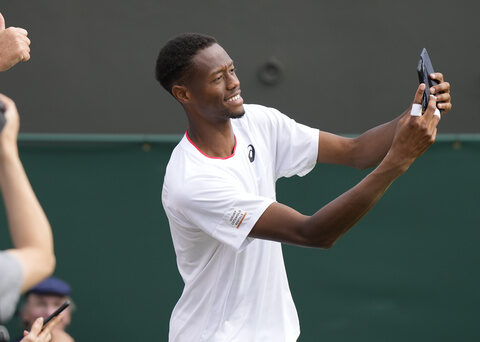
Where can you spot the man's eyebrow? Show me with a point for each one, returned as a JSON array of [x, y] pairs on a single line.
[[221, 69]]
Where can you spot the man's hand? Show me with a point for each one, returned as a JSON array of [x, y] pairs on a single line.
[[14, 45], [36, 334], [59, 335], [414, 134], [441, 92], [9, 133]]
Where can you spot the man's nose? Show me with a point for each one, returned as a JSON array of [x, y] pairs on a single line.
[[233, 81]]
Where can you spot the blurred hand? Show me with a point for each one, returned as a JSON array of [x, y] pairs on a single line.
[[36, 334], [59, 335], [14, 45], [9, 133]]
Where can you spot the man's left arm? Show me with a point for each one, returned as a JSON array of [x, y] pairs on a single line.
[[370, 148]]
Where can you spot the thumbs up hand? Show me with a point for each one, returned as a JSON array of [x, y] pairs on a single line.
[[14, 45]]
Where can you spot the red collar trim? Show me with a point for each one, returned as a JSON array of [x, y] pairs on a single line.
[[199, 150]]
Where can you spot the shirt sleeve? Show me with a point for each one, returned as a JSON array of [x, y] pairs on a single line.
[[296, 146], [10, 285], [220, 209]]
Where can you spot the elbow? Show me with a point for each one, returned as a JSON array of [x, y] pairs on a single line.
[[359, 158], [325, 244], [362, 164], [36, 264], [314, 239], [51, 263], [320, 244]]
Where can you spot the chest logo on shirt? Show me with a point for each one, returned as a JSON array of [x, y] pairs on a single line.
[[251, 153]]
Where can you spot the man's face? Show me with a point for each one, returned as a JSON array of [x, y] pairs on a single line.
[[214, 87], [37, 305]]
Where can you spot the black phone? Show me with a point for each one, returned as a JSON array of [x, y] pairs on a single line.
[[2, 115], [424, 69], [56, 313]]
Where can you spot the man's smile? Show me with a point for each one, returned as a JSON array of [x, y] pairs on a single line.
[[235, 99]]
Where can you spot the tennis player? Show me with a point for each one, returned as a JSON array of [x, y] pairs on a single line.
[[219, 193]]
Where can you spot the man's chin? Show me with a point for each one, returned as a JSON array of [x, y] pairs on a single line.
[[236, 115]]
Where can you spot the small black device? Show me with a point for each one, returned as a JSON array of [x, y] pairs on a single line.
[[2, 115], [424, 69], [56, 313]]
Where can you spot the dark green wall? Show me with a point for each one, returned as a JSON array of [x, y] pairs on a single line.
[[407, 272]]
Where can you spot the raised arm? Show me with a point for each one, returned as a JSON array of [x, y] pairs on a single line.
[[369, 149], [29, 228], [412, 137]]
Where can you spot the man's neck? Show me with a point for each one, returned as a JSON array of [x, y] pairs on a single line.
[[214, 141]]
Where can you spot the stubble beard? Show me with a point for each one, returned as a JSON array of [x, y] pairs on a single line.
[[234, 116]]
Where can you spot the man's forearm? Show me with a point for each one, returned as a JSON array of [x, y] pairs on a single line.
[[334, 219], [372, 146], [284, 224]]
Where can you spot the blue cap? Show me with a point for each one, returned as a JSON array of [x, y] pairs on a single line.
[[51, 285]]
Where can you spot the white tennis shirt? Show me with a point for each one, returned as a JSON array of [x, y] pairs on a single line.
[[236, 287]]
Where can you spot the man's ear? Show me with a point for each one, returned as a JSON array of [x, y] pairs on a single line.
[[181, 93]]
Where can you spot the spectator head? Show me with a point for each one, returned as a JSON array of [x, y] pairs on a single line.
[[43, 299]]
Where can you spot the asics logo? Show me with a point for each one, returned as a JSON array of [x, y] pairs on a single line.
[[251, 153]]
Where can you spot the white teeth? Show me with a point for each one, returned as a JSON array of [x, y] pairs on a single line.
[[235, 98]]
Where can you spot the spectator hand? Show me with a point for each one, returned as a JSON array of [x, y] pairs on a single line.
[[59, 335], [9, 133], [14, 45], [36, 334]]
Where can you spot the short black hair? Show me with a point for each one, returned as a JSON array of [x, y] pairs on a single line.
[[175, 58]]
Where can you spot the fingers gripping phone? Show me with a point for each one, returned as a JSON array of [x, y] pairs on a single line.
[[56, 313], [424, 69]]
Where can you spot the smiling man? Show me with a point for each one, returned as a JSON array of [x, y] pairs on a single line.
[[219, 193]]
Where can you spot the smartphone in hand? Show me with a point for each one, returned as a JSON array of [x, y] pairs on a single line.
[[56, 313], [424, 69]]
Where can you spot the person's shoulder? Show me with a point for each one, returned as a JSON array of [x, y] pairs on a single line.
[[259, 114], [263, 116], [188, 172], [178, 153], [186, 160], [259, 109]]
